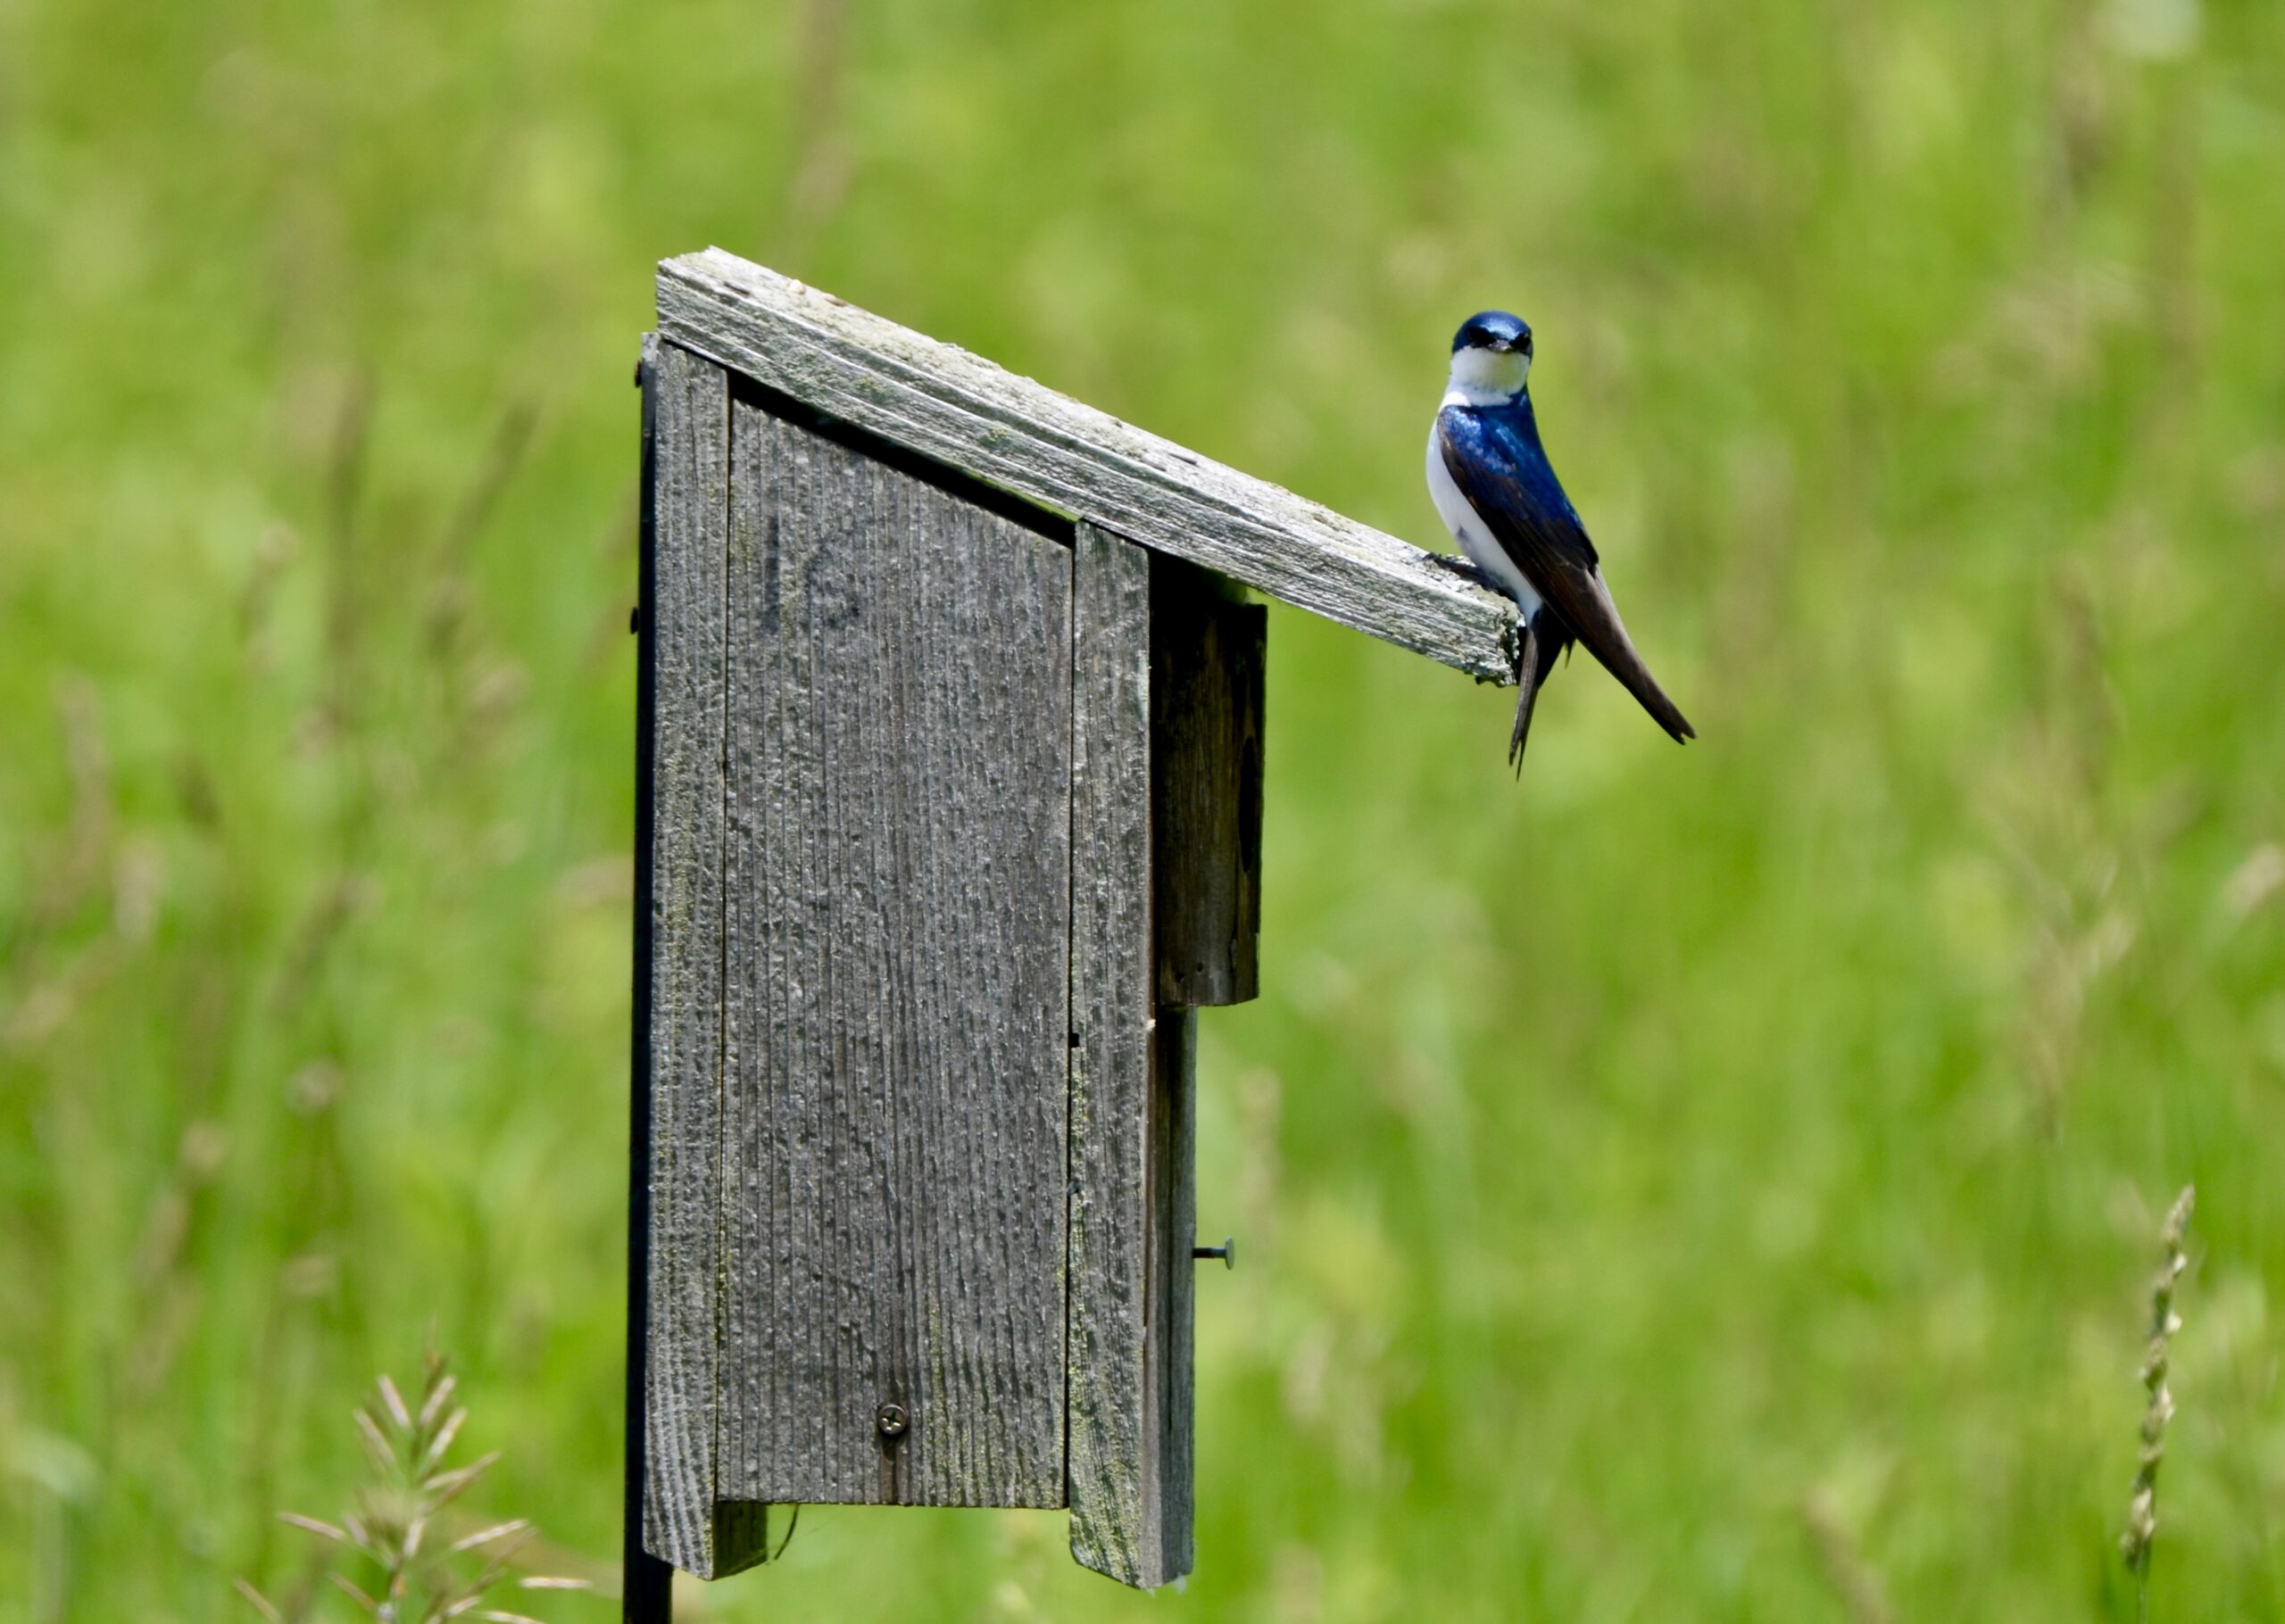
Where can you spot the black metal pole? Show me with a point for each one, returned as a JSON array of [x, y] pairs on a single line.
[[647, 1583]]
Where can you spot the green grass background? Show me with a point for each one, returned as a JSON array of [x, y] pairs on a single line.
[[1707, 1184]]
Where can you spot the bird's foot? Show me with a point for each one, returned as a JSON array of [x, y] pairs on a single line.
[[1467, 569]]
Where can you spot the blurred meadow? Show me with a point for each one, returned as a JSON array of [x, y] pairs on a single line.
[[1705, 1184]]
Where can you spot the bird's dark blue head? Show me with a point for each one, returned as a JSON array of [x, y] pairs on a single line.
[[1494, 330], [1491, 357]]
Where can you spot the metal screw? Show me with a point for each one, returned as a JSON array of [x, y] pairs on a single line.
[[892, 1420], [1227, 1252]]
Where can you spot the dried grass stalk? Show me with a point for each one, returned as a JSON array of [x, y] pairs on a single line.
[[386, 1528], [2142, 1505]]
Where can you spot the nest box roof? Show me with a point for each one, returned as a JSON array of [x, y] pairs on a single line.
[[940, 401]]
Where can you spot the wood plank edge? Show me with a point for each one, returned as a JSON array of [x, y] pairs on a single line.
[[1480, 637]]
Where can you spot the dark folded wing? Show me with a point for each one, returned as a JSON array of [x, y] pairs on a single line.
[[1513, 491]]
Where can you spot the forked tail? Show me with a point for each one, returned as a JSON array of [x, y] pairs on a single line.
[[1544, 639]]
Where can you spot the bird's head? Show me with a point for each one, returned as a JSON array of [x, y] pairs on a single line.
[[1492, 356]]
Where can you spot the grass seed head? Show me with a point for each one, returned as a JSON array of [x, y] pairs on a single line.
[[2142, 1504]]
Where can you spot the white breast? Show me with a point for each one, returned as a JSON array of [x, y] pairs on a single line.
[[1474, 535]]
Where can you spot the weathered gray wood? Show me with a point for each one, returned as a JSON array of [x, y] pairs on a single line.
[[1115, 1478], [899, 885], [741, 1534], [939, 400], [1206, 723], [691, 405], [1130, 1109]]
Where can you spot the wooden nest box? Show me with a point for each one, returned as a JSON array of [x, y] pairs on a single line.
[[951, 775]]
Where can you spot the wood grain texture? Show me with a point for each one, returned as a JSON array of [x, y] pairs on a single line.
[[1206, 667], [899, 886], [1131, 1225], [741, 1536], [946, 403], [1114, 1470], [690, 511], [646, 1583]]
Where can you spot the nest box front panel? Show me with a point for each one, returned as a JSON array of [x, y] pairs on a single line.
[[861, 774], [896, 1058]]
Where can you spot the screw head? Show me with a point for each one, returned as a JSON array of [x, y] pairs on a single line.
[[891, 1420]]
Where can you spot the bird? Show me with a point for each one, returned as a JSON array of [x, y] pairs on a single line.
[[1493, 487]]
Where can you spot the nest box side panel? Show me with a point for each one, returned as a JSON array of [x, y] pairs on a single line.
[[1131, 1108], [690, 504], [1207, 666], [896, 950]]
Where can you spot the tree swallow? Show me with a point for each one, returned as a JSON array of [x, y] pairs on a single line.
[[1497, 494]]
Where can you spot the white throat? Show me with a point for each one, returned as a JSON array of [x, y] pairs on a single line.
[[1485, 378]]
